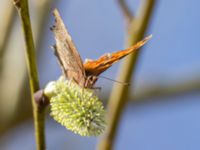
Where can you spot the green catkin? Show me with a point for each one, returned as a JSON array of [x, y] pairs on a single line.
[[79, 110]]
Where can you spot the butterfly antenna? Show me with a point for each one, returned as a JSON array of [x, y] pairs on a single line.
[[124, 83]]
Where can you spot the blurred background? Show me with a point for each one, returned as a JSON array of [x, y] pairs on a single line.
[[163, 111]]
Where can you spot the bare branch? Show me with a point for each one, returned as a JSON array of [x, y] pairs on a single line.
[[38, 112], [126, 11], [156, 90]]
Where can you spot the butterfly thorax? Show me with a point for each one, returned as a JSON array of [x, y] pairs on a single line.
[[87, 82]]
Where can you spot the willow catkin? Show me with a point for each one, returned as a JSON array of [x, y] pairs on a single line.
[[78, 109]]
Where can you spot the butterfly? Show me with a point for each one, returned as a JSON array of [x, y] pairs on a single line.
[[84, 74]]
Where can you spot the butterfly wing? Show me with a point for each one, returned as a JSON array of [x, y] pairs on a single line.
[[67, 53], [96, 67]]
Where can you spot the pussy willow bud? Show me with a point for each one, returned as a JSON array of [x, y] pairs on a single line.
[[78, 109]]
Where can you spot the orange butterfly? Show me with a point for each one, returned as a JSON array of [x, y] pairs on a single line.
[[84, 74]]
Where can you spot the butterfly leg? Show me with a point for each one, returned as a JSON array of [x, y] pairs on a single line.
[[86, 83], [90, 82]]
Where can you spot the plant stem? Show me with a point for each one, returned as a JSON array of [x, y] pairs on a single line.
[[119, 94], [38, 112]]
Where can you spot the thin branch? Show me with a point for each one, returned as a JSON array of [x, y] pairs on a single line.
[[38, 112], [22, 105], [44, 9], [119, 94], [126, 11], [155, 91]]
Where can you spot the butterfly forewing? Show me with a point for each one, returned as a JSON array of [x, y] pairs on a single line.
[[67, 53], [96, 67]]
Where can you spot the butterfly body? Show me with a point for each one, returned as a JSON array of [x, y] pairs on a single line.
[[84, 74]]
